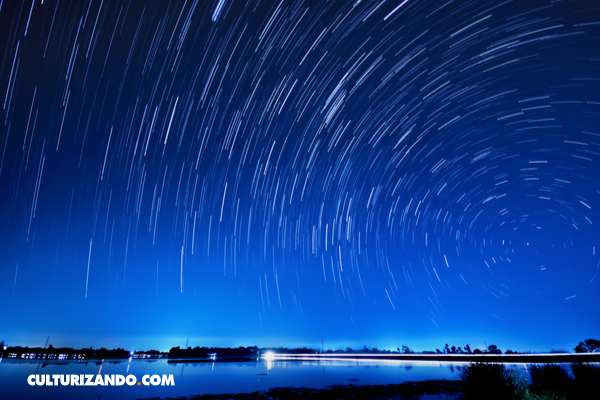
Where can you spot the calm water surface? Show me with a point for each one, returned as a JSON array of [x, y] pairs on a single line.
[[212, 378]]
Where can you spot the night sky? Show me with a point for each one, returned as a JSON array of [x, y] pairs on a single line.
[[379, 173]]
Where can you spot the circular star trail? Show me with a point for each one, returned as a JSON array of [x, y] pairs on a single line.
[[301, 168]]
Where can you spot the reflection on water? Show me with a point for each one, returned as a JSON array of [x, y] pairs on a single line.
[[212, 377]]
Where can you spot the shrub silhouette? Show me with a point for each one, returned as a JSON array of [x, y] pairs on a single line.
[[587, 377], [488, 381], [550, 379]]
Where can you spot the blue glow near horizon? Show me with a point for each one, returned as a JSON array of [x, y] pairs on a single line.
[[369, 174]]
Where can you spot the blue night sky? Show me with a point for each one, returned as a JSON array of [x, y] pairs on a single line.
[[271, 173]]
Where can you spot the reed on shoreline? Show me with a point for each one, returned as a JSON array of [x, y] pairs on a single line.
[[492, 381]]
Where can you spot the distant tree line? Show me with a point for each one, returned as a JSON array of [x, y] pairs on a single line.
[[491, 349], [285, 350], [226, 352], [205, 352], [62, 352]]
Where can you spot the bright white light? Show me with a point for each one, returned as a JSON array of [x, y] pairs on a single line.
[[218, 10], [269, 356]]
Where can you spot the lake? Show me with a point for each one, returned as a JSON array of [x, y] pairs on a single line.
[[192, 378]]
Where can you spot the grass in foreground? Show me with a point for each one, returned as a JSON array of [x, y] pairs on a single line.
[[548, 382], [490, 381]]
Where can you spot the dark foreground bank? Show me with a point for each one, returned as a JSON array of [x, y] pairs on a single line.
[[491, 381], [406, 390]]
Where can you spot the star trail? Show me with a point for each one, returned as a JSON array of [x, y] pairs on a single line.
[[276, 172]]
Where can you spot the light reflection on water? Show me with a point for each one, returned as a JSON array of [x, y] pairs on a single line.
[[192, 378]]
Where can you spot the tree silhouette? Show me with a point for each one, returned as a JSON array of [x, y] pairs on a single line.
[[588, 346], [492, 348], [468, 349]]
